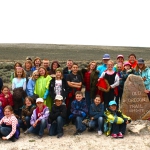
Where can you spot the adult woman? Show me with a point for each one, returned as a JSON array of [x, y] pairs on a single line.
[[144, 72]]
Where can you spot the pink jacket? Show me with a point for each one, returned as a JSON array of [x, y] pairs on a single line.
[[6, 101]]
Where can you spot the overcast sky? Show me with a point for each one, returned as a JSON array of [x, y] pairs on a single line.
[[83, 22]]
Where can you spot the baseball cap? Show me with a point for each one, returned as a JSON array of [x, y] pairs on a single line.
[[120, 56], [58, 97], [140, 61], [39, 100], [106, 56], [112, 103]]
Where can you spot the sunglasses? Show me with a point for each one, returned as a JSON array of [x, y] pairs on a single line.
[[36, 75]]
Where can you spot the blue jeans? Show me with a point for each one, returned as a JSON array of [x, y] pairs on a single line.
[[88, 100], [4, 131], [116, 128], [96, 123], [79, 125], [39, 129], [22, 125], [57, 126]]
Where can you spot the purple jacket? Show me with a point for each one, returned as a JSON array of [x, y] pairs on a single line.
[[44, 116]]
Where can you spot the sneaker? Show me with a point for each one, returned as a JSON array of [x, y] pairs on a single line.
[[114, 135], [13, 139], [40, 136], [100, 132], [120, 135], [78, 132], [59, 135], [26, 132]]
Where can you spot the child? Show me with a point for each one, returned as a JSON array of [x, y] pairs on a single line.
[[41, 87], [115, 121], [58, 85], [55, 64], [19, 87], [57, 117], [96, 114], [8, 125], [6, 97], [74, 81], [27, 68], [46, 64], [31, 83], [37, 63], [39, 119], [79, 112], [27, 111]]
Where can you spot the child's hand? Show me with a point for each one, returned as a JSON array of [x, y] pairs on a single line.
[[6, 96], [83, 114], [92, 118], [4, 138]]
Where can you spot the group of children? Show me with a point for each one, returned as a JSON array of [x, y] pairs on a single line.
[[52, 97]]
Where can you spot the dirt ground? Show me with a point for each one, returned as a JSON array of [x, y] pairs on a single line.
[[88, 140]]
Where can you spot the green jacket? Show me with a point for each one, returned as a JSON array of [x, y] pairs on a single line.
[[111, 117]]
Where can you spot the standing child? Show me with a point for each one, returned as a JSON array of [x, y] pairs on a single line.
[[79, 112], [58, 85], [27, 111], [6, 97], [37, 63], [96, 115], [74, 81], [115, 121], [8, 125], [19, 87], [57, 117], [27, 68], [39, 119]]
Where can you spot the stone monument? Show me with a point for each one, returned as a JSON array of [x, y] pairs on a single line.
[[135, 102]]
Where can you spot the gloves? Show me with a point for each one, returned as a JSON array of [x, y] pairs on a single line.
[[130, 70], [71, 116], [83, 114], [46, 94]]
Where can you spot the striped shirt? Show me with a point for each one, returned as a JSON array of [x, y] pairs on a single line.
[[10, 121]]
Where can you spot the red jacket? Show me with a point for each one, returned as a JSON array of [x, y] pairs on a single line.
[[6, 101]]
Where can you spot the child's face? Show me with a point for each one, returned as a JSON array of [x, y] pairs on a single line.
[[92, 66], [40, 104], [74, 68], [7, 112], [46, 63], [119, 67], [27, 65], [42, 72], [58, 74], [58, 102], [55, 66], [127, 67], [140, 66], [79, 97], [5, 91], [28, 102], [36, 75], [97, 100], [110, 66], [19, 73], [132, 59], [113, 107], [37, 62]]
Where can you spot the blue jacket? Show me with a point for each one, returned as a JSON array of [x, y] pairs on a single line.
[[77, 107], [101, 69], [96, 111], [30, 87], [145, 73]]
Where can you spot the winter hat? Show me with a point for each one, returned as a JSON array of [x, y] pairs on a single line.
[[59, 69], [112, 103], [127, 63]]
